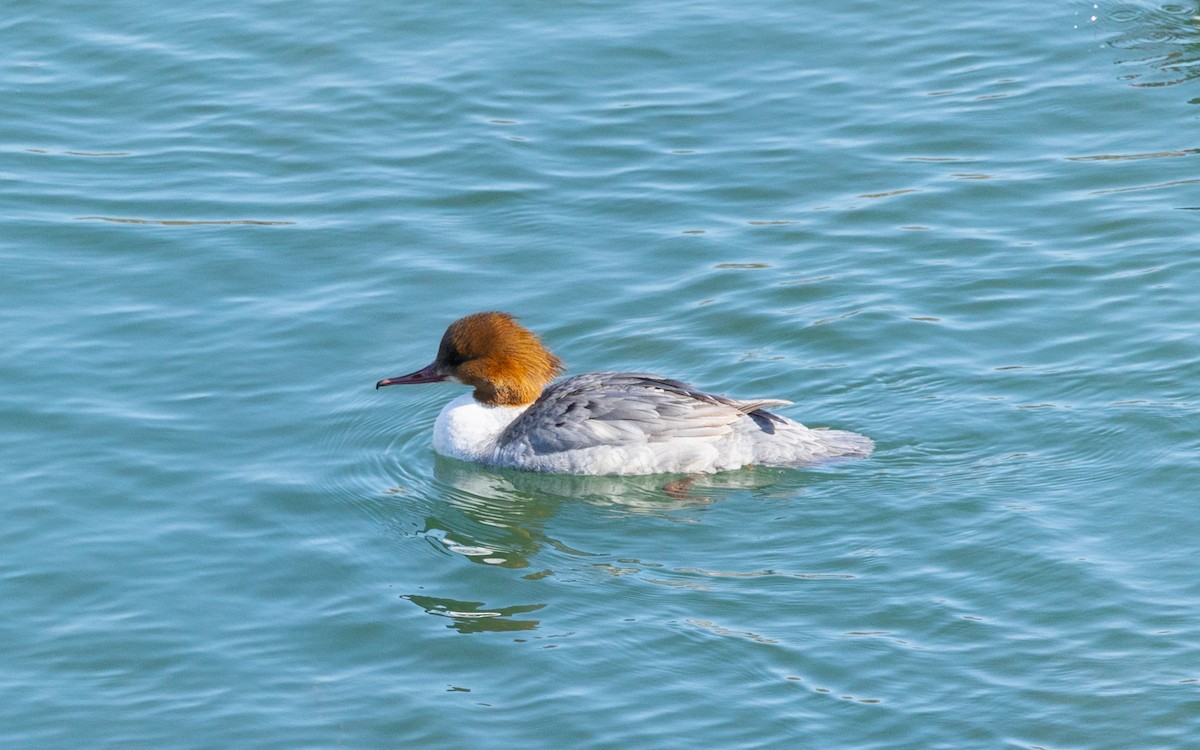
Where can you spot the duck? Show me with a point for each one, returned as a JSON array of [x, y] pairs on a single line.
[[518, 415]]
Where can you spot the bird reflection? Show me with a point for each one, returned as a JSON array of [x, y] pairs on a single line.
[[499, 518], [476, 617]]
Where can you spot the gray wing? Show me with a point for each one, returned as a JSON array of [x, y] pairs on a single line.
[[627, 408]]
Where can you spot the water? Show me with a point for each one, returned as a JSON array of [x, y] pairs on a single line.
[[966, 230]]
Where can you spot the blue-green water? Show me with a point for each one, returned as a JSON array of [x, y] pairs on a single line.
[[967, 230]]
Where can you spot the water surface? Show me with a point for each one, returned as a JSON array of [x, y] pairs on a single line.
[[967, 231]]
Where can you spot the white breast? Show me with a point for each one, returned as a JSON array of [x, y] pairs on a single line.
[[468, 430]]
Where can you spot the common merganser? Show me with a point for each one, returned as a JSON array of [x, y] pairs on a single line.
[[601, 422]]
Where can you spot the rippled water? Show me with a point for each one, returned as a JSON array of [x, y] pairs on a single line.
[[967, 231]]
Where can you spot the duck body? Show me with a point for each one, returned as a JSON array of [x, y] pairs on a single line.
[[607, 422]]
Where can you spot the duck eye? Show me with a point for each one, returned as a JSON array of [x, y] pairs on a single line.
[[450, 355]]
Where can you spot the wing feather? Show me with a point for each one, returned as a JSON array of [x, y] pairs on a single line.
[[614, 408]]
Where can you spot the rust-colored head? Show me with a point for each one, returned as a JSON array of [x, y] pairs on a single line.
[[505, 362]]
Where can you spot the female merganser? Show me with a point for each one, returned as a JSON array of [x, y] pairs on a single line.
[[600, 422]]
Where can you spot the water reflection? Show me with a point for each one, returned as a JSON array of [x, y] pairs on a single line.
[[476, 617], [501, 518], [1163, 39]]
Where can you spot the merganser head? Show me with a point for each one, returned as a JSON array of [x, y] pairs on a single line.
[[505, 362]]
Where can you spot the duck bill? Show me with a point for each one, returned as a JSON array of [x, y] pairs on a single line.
[[428, 374]]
